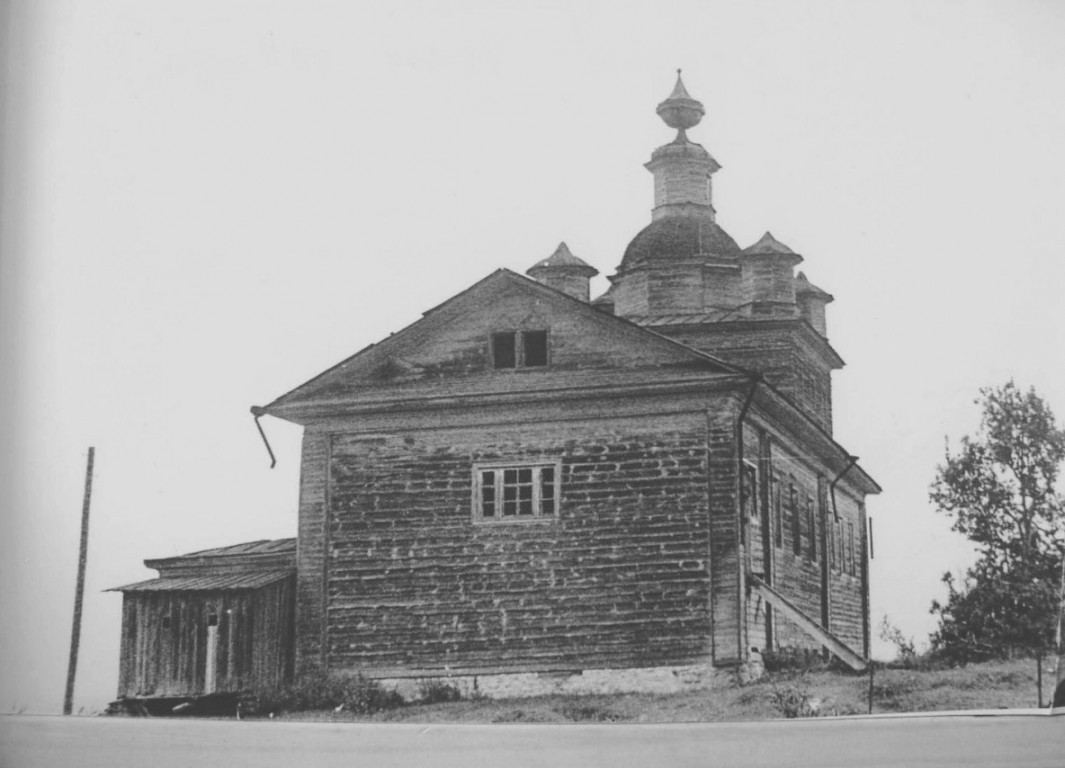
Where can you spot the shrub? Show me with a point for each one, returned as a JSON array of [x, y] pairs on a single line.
[[322, 690], [435, 691], [793, 701]]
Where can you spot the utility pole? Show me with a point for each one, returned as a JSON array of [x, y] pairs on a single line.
[[75, 634]]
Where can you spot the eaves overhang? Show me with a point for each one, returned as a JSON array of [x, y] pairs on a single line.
[[779, 407], [307, 411]]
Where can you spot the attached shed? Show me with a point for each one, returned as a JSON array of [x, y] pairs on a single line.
[[216, 621]]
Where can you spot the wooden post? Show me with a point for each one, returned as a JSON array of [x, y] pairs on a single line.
[[75, 633], [872, 672]]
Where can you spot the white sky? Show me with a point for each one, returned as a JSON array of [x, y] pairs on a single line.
[[207, 202]]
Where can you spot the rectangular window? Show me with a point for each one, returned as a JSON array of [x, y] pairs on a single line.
[[504, 350], [796, 519], [853, 566], [778, 515], [534, 348], [749, 490], [527, 349], [513, 493], [838, 546], [811, 524]]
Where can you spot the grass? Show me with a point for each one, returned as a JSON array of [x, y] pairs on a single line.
[[815, 692]]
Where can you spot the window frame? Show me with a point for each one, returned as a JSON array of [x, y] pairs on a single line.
[[749, 491], [811, 522], [796, 518], [518, 337], [538, 517], [776, 492]]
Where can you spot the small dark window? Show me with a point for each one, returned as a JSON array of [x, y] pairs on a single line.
[[811, 523], [853, 569], [212, 620], [778, 516], [534, 345], [166, 622], [504, 351], [749, 490], [796, 520]]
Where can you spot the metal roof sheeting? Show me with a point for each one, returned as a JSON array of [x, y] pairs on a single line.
[[208, 582]]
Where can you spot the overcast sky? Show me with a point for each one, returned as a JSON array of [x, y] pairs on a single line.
[[207, 202]]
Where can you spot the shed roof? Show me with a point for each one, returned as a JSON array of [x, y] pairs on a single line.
[[208, 582]]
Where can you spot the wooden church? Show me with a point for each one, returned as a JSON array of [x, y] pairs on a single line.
[[528, 490]]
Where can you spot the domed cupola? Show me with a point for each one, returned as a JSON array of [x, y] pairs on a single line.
[[682, 260]]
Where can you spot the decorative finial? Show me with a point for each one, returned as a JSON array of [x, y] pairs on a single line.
[[680, 110]]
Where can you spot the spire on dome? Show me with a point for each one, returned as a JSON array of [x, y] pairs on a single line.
[[679, 91]]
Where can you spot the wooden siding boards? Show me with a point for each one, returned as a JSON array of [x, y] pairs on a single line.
[[646, 561], [310, 551], [618, 579]]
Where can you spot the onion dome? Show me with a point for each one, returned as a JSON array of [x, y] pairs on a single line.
[[674, 239]]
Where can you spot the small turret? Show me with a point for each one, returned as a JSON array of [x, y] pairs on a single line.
[[768, 277], [812, 301], [564, 272]]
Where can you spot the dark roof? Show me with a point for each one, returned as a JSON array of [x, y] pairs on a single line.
[[679, 237], [688, 318], [563, 258], [261, 555], [260, 547], [209, 582], [767, 244], [804, 286]]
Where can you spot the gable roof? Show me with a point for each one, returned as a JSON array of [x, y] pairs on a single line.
[[387, 354]]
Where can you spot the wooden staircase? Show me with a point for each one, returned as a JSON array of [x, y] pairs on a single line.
[[791, 612]]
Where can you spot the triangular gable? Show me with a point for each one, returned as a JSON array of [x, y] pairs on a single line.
[[452, 342]]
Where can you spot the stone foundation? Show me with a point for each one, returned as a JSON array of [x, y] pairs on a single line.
[[589, 681]]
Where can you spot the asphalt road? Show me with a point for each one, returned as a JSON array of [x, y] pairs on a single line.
[[33, 742]]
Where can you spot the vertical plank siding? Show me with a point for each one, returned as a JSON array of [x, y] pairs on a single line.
[[255, 640]]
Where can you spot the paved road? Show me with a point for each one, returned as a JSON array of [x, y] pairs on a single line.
[[44, 742]]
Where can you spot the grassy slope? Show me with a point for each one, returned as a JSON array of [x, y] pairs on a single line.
[[979, 686]]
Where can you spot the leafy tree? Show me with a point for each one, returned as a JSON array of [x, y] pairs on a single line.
[[999, 490]]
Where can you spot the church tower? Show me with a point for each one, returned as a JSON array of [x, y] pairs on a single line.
[[684, 276]]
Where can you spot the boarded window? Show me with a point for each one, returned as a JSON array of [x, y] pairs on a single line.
[[534, 347], [504, 350], [514, 493]]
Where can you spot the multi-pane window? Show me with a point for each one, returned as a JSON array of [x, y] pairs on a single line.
[[811, 525], [519, 492], [796, 519], [519, 349]]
